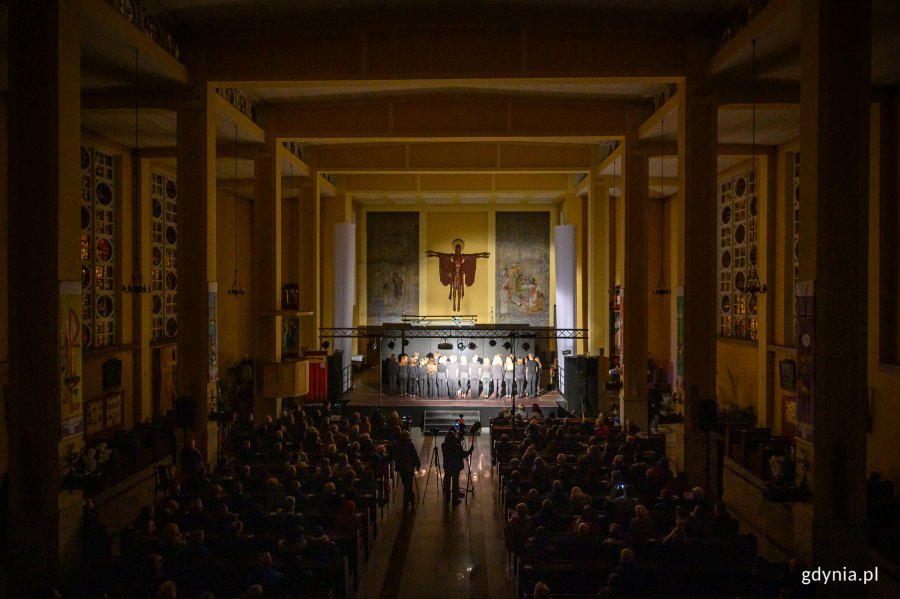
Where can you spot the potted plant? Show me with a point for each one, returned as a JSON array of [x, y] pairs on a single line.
[[783, 474]]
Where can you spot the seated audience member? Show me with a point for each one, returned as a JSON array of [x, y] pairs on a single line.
[[583, 546], [320, 546], [547, 517], [642, 527], [539, 548], [293, 542], [578, 500], [191, 461], [346, 522], [541, 591], [265, 575], [677, 534], [613, 589], [616, 535], [722, 524], [196, 546], [628, 570], [518, 529]]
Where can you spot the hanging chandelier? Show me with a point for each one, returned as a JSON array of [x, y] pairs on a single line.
[[753, 285], [236, 288], [661, 288], [136, 285]]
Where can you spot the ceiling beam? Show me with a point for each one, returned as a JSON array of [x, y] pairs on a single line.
[[443, 52], [469, 116], [429, 156], [123, 98]]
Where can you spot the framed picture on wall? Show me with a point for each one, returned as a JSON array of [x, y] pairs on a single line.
[[788, 371]]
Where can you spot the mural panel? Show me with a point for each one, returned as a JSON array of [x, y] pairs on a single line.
[[523, 268], [392, 268]]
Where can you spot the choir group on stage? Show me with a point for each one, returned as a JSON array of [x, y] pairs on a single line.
[[442, 376]]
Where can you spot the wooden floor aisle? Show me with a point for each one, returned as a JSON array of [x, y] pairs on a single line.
[[440, 551]]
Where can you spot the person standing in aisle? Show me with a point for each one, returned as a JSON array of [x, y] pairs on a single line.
[[406, 462]]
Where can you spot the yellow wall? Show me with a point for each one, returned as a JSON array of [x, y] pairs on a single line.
[[442, 228], [737, 373], [234, 311]]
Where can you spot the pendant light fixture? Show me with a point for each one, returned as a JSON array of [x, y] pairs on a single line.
[[236, 288], [753, 284], [661, 288], [136, 285], [290, 292]]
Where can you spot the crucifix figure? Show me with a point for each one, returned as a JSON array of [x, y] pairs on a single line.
[[454, 267]]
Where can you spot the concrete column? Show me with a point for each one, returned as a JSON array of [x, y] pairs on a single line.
[[834, 140], [307, 230], [601, 268], [267, 267], [635, 292], [196, 251], [44, 191], [697, 220]]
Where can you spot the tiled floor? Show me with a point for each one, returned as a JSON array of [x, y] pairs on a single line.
[[441, 551]]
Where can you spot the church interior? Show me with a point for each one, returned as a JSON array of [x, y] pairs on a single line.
[[248, 208]]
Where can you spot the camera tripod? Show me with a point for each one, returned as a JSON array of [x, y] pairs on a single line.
[[438, 477], [473, 442]]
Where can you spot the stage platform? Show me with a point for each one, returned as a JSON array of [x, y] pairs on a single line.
[[364, 398]]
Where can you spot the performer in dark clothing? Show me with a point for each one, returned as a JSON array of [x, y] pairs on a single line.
[[496, 375], [423, 377], [393, 373], [442, 377], [403, 375], [454, 457], [406, 462], [530, 376], [520, 377]]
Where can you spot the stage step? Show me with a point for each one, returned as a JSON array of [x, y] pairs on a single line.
[[442, 420]]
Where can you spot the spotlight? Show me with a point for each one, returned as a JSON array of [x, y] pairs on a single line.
[[492, 342], [391, 344], [472, 345], [507, 346], [405, 342], [445, 345], [567, 352], [525, 346], [325, 344], [460, 346]]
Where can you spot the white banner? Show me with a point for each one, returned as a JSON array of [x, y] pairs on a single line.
[[344, 289], [565, 291]]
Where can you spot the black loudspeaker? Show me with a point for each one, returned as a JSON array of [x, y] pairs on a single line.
[[335, 377], [581, 381], [445, 346], [707, 410], [185, 411]]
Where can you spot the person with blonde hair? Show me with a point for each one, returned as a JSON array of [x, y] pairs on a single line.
[[496, 374], [509, 368], [463, 377]]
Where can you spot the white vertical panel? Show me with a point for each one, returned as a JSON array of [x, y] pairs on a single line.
[[344, 287], [564, 236]]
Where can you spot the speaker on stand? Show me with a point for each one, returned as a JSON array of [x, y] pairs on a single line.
[[185, 414], [707, 410]]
